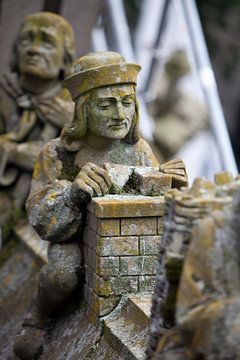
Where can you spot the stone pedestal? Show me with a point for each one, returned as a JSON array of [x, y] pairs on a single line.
[[121, 242]]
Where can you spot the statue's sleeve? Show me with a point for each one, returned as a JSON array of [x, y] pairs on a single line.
[[52, 209]]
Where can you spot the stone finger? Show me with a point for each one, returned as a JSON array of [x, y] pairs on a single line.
[[103, 173], [99, 180], [84, 187], [94, 185]]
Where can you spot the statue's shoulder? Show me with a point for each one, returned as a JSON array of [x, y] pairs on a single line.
[[142, 147], [52, 148]]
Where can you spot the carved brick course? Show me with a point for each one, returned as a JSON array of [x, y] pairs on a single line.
[[120, 251]]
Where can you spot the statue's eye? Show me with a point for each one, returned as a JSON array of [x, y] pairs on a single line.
[[127, 101], [25, 40], [104, 105], [47, 41]]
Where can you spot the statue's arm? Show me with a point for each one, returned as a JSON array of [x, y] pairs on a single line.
[[54, 210]]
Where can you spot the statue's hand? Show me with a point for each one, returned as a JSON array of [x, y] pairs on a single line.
[[176, 168], [55, 110], [93, 180]]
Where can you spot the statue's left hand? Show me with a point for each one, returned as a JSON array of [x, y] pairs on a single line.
[[55, 110], [176, 168]]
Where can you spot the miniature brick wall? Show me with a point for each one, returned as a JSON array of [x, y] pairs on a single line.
[[121, 242]]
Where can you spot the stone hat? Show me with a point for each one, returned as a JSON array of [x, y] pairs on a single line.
[[99, 69]]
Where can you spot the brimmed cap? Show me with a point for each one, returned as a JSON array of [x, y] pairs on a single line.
[[100, 69]]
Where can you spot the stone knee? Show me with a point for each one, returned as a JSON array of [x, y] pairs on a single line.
[[55, 287], [60, 278]]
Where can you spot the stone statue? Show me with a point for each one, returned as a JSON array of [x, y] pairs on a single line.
[[178, 117], [33, 104], [199, 308], [71, 169]]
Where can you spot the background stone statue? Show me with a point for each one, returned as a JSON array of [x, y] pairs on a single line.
[[71, 169], [33, 104], [178, 116]]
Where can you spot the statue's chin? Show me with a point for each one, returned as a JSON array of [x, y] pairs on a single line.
[[38, 72]]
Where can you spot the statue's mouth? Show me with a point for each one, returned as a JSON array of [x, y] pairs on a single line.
[[118, 125], [33, 59]]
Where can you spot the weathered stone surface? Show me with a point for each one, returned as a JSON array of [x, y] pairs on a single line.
[[127, 327], [118, 206], [146, 283], [223, 178], [18, 278], [104, 227], [154, 183], [139, 226], [90, 238], [138, 265], [160, 225], [117, 246], [197, 282], [107, 265], [149, 245]]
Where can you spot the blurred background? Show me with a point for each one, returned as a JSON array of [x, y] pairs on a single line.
[[189, 52]]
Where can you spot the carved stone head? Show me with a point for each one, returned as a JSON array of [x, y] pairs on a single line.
[[44, 47], [103, 86]]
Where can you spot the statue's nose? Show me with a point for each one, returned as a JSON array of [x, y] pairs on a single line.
[[35, 47], [119, 111]]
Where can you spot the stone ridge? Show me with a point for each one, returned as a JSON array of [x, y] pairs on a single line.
[[122, 206]]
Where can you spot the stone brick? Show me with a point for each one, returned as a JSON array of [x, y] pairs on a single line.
[[154, 183], [146, 283], [102, 286], [89, 258], [160, 225], [118, 206], [223, 178], [106, 305], [104, 227], [149, 244], [114, 285], [90, 237], [107, 265], [124, 284], [99, 306], [138, 265], [139, 226], [116, 246]]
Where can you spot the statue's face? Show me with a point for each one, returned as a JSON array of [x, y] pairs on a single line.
[[40, 50], [111, 111]]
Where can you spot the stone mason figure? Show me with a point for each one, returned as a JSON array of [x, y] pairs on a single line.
[[33, 104], [70, 170]]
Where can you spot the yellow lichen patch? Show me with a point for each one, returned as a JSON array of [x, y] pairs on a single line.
[[53, 221], [36, 169], [52, 196]]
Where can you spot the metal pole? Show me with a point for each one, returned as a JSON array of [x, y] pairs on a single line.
[[209, 87], [123, 42], [120, 28]]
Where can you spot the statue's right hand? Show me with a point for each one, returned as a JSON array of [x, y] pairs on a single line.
[[93, 180]]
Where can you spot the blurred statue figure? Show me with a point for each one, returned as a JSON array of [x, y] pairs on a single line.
[[33, 104], [178, 117]]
